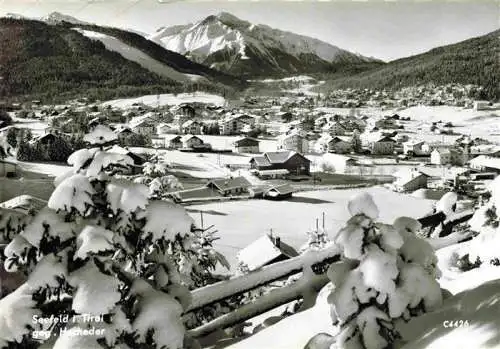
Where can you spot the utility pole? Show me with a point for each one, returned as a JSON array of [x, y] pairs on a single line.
[[201, 218]]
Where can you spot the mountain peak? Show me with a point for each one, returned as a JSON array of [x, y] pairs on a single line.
[[224, 41], [231, 20], [58, 17]]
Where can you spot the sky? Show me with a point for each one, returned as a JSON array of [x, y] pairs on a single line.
[[386, 30]]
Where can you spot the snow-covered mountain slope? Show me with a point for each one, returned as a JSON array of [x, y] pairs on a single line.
[[57, 18], [226, 42], [14, 16], [133, 54]]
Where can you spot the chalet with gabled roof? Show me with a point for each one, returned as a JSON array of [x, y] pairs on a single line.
[[264, 251], [279, 192], [191, 127], [384, 146], [191, 141], [229, 186], [175, 143], [340, 145], [295, 163], [246, 145]]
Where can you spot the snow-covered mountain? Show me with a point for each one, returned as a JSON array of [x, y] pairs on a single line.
[[15, 16], [57, 18], [228, 43]]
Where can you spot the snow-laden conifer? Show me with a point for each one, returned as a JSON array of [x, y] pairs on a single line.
[[102, 247], [382, 278]]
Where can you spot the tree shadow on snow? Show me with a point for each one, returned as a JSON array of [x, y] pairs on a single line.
[[306, 200], [211, 212], [480, 307]]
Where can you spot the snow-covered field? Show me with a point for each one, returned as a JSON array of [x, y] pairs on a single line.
[[168, 99], [52, 170], [298, 78], [484, 123], [241, 222], [305, 84], [135, 55]]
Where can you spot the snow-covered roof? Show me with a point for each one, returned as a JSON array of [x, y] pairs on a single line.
[[230, 183], [486, 161], [24, 203], [262, 251], [340, 138], [186, 138], [405, 176], [281, 189], [279, 157]]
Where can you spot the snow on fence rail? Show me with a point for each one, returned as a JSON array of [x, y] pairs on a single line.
[[224, 289], [300, 289]]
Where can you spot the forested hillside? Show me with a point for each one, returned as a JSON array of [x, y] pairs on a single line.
[[474, 61], [170, 58], [54, 62]]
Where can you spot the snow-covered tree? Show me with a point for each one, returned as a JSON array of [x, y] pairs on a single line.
[[101, 248], [156, 175], [316, 240], [387, 274], [356, 141], [486, 223]]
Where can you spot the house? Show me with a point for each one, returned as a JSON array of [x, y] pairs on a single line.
[[145, 127], [122, 131], [279, 192], [319, 123], [334, 128], [272, 174], [191, 127], [481, 105], [186, 110], [233, 124], [26, 204], [383, 146], [164, 128], [293, 141], [419, 148], [190, 141], [294, 162], [45, 139], [354, 124], [409, 181], [285, 116], [386, 123], [321, 144], [338, 163], [264, 251], [137, 159], [448, 155], [485, 163], [175, 143], [246, 145], [340, 145], [7, 168], [229, 186]]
